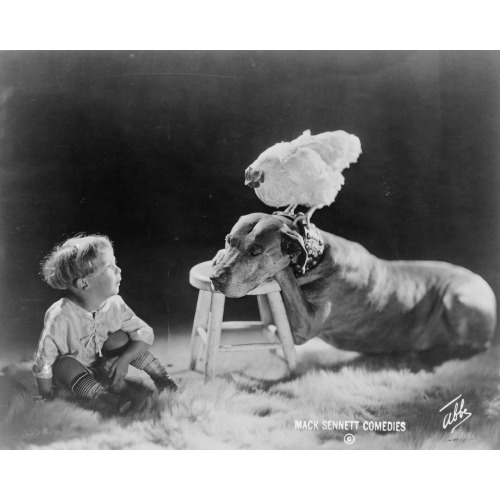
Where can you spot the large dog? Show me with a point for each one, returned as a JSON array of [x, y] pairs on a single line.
[[355, 301]]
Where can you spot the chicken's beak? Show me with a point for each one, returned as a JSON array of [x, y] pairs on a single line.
[[253, 178]]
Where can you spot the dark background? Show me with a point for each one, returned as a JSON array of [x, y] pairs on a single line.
[[150, 148]]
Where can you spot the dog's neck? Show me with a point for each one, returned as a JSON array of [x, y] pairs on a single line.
[[313, 243]]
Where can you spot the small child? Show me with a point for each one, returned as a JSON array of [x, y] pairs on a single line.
[[91, 336]]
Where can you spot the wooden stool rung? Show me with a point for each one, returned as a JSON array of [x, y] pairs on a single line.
[[242, 325], [258, 346], [208, 325]]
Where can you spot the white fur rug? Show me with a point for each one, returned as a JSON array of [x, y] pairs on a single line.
[[253, 405]]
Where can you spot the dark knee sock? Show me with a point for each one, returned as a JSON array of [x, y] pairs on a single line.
[[85, 386], [143, 361], [155, 370], [72, 374]]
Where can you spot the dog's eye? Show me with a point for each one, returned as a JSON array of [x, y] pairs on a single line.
[[228, 239], [255, 250]]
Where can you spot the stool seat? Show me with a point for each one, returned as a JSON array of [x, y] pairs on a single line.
[[199, 277], [208, 322]]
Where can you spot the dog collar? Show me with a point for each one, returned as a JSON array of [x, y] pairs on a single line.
[[313, 244]]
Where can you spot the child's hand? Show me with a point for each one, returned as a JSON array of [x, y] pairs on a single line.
[[44, 389], [218, 257], [118, 371]]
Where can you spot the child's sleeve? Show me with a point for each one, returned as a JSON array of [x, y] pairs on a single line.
[[47, 349], [134, 326]]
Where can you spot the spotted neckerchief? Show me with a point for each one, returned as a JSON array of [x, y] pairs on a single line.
[[313, 244]]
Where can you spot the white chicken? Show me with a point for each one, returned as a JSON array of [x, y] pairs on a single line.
[[306, 171]]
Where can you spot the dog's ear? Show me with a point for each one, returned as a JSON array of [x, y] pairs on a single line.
[[292, 243]]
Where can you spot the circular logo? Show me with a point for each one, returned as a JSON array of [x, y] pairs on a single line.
[[349, 439]]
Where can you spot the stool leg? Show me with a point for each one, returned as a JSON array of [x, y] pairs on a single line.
[[267, 318], [214, 333], [284, 332], [200, 319]]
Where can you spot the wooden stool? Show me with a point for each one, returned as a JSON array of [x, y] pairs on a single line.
[[208, 324]]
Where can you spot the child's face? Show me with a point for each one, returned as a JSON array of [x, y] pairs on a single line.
[[105, 282]]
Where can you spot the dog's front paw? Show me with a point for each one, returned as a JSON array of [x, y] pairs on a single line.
[[218, 257]]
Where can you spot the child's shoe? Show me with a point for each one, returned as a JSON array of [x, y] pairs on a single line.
[[165, 382], [160, 376], [139, 395], [108, 402]]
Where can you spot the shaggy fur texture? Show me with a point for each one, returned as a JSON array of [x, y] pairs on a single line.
[[254, 406]]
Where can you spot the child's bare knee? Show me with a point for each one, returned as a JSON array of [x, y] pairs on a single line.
[[115, 341]]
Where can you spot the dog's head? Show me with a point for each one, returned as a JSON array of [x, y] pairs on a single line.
[[258, 246]]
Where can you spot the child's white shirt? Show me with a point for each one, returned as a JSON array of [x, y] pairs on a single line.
[[71, 330]]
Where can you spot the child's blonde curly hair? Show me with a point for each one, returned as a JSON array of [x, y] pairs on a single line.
[[73, 259]]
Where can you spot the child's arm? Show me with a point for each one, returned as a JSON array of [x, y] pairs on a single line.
[[46, 355], [141, 338], [133, 326], [119, 368]]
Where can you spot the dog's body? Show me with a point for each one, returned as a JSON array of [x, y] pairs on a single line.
[[355, 301]]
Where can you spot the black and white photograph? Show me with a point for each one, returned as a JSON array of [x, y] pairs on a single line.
[[249, 249]]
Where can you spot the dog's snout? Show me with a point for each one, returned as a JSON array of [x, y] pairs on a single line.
[[218, 280]]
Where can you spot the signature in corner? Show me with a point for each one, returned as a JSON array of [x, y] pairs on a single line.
[[457, 415]]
